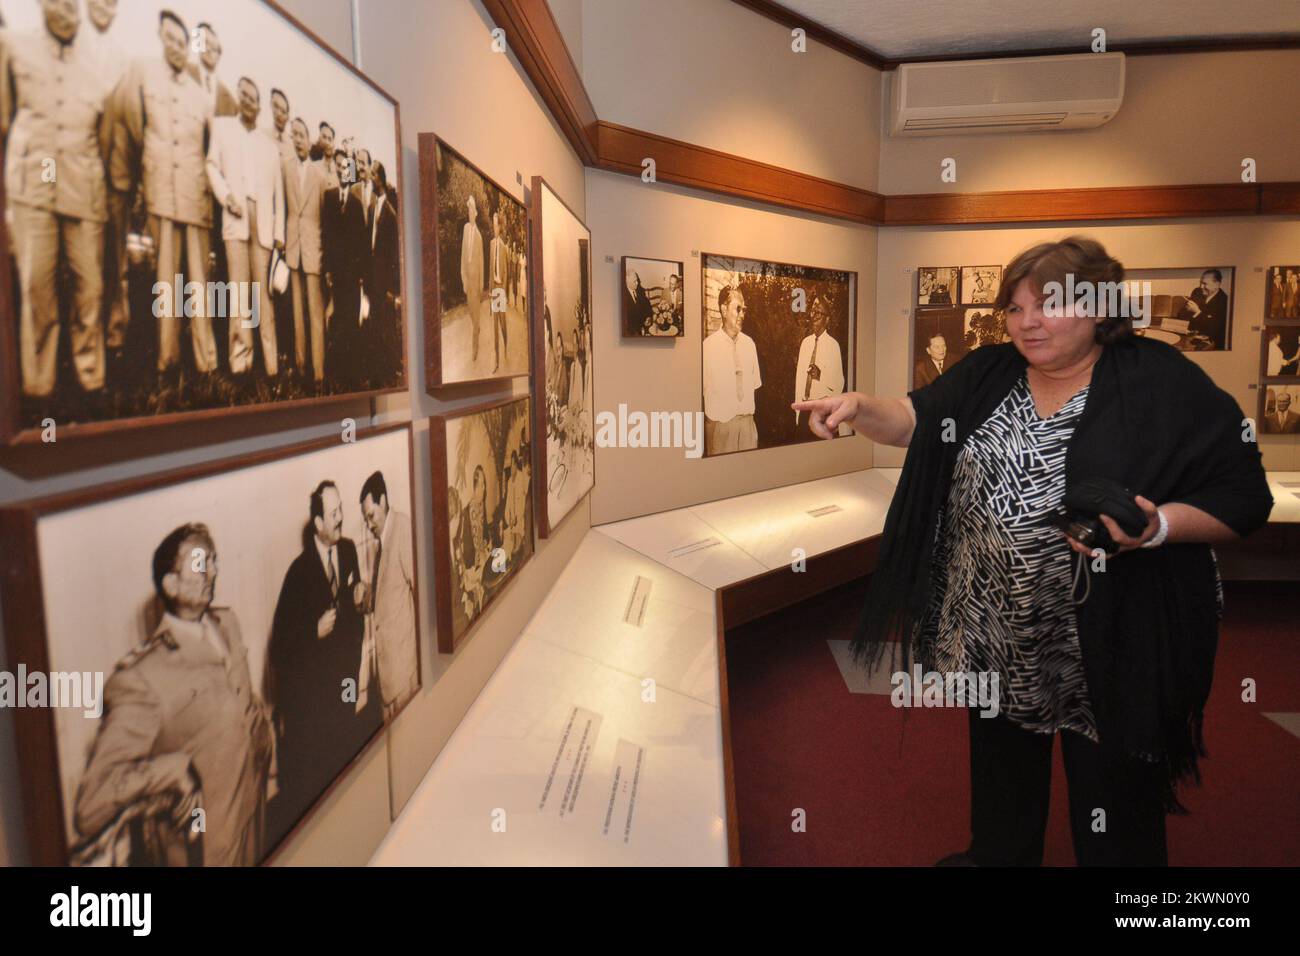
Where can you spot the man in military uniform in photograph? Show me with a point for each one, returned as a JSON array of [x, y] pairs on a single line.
[[165, 117], [182, 731], [51, 104]]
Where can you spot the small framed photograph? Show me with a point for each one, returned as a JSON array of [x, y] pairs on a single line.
[[938, 285], [1282, 293], [1280, 353], [482, 509], [1279, 409], [653, 300], [979, 284], [1190, 308]]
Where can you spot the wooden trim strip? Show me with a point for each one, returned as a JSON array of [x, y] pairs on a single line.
[[622, 149], [1067, 205], [534, 36], [536, 39]]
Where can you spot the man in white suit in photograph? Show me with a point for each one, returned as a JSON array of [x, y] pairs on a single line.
[[304, 185], [247, 180]]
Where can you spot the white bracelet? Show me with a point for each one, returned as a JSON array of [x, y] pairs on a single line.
[[1159, 538]]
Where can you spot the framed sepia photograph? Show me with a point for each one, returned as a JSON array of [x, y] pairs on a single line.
[[943, 337], [1191, 309], [475, 239], [774, 333], [1280, 353], [222, 233], [653, 298], [1282, 295], [563, 399], [1279, 409], [482, 509], [938, 285], [980, 284], [219, 644]]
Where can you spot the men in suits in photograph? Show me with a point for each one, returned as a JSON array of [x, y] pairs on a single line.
[[110, 64], [384, 283], [1206, 311], [322, 153], [819, 370], [46, 129], [164, 122], [391, 596], [314, 662], [280, 122], [304, 190], [204, 71], [245, 173], [498, 279], [932, 364], [344, 245], [183, 729], [363, 187], [471, 272], [731, 376], [1284, 420]]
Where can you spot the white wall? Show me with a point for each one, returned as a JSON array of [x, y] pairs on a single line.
[[629, 217]]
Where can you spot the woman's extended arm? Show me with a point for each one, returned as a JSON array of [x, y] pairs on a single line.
[[889, 421]]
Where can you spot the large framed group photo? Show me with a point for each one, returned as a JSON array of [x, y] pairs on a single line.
[[254, 624], [200, 217]]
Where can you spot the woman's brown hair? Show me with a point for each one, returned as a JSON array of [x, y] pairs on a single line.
[[1090, 265]]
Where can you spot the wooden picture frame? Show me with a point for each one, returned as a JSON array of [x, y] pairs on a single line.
[[453, 627], [1281, 299], [550, 470], [434, 247], [970, 285], [644, 306], [948, 276], [1172, 289], [141, 400], [773, 428], [38, 636]]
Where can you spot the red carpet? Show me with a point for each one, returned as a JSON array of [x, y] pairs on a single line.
[[884, 786]]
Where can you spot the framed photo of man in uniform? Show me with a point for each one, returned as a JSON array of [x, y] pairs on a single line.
[[475, 271], [215, 647], [482, 508], [205, 223]]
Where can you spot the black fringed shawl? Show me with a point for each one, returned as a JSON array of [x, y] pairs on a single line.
[[1148, 630]]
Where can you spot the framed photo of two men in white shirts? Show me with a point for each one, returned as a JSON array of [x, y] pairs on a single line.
[[219, 644], [774, 333], [201, 218]]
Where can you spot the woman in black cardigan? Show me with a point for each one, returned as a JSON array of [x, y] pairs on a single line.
[[1114, 651]]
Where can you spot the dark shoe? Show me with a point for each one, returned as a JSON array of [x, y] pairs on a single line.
[[958, 859]]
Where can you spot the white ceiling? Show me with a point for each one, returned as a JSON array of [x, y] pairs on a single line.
[[903, 29]]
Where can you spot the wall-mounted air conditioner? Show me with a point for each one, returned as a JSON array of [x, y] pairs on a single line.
[[1075, 91]]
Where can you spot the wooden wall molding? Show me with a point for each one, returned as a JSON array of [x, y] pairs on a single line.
[[534, 36], [622, 149]]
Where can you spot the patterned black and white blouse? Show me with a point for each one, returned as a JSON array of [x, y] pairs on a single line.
[[1003, 577]]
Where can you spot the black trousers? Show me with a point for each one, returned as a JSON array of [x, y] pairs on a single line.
[[1011, 775]]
